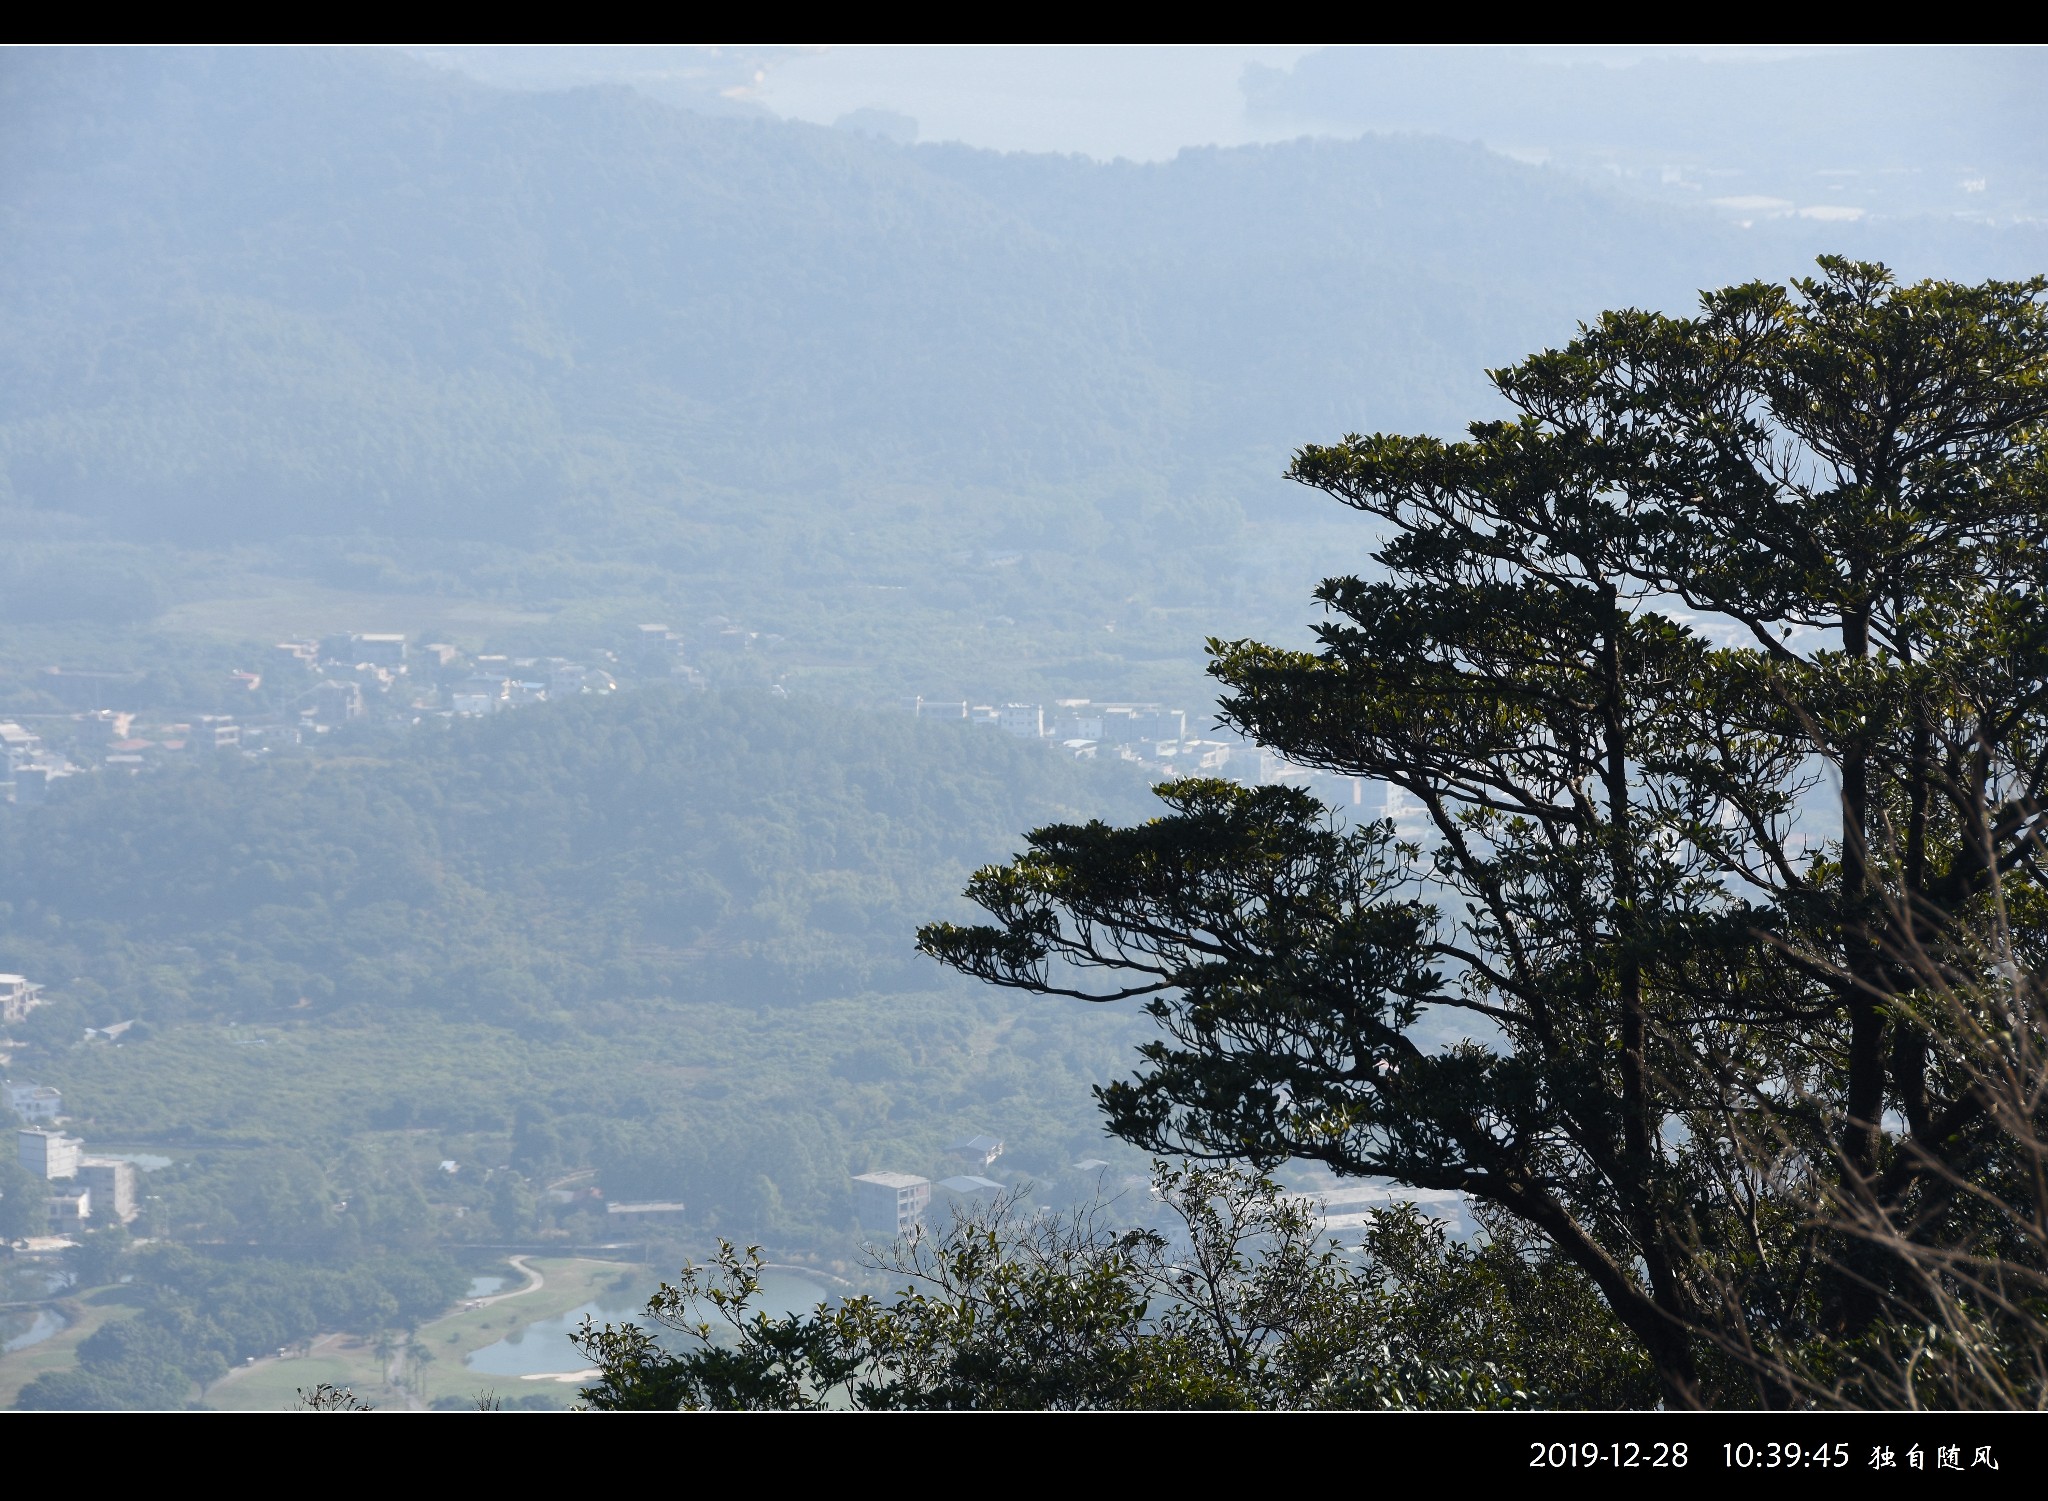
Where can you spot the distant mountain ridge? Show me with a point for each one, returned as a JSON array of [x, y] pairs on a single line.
[[343, 317], [309, 291]]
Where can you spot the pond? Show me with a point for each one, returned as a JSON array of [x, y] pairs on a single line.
[[28, 1328], [483, 1287], [543, 1347]]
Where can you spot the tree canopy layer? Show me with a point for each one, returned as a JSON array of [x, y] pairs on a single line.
[[655, 842], [1716, 672]]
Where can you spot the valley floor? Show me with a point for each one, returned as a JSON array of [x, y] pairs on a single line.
[[554, 1286]]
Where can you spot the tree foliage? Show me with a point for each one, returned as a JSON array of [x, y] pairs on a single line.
[[1239, 1302], [202, 1315], [1717, 676]]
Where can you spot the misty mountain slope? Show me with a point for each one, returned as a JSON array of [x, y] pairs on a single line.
[[1954, 129], [943, 420], [286, 244], [262, 294], [1321, 285]]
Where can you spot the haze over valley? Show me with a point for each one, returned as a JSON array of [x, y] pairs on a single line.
[[531, 573]]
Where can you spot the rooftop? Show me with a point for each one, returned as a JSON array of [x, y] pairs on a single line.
[[970, 1183], [890, 1180]]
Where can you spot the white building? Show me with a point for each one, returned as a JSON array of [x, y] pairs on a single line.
[[970, 1191], [112, 1183], [936, 708], [979, 1150], [1203, 757], [890, 1203], [1350, 1209], [385, 648], [1024, 720], [1128, 724], [50, 1155], [19, 746], [33, 1102], [17, 998]]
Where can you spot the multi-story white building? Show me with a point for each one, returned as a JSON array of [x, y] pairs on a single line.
[[1025, 720], [50, 1155], [18, 997], [890, 1203], [112, 1182], [33, 1102]]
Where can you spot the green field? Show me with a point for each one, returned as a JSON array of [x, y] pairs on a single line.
[[352, 1362], [60, 1351]]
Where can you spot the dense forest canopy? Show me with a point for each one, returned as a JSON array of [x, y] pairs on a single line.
[[659, 843]]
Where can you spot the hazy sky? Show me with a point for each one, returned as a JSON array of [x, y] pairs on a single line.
[[1141, 102]]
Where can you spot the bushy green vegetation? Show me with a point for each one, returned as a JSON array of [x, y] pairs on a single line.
[[1232, 1298], [663, 938], [1772, 1082], [202, 1315]]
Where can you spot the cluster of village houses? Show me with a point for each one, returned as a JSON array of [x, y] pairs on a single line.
[[81, 1189], [336, 679], [1157, 738], [329, 682]]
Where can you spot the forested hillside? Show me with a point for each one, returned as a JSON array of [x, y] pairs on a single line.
[[656, 946], [662, 843], [398, 302], [357, 320]]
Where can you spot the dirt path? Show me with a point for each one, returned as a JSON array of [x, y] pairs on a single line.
[[535, 1282]]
